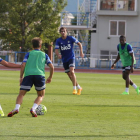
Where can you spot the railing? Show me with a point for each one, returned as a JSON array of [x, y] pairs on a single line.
[[118, 5], [76, 18]]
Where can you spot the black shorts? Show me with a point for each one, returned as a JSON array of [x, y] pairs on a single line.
[[67, 65], [126, 68]]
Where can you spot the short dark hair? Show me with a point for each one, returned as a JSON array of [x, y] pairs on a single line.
[[36, 42], [62, 28], [122, 37]]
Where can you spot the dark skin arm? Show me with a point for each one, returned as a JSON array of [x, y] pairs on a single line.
[[117, 59], [132, 68]]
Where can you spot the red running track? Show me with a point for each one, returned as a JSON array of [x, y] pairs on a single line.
[[60, 69]]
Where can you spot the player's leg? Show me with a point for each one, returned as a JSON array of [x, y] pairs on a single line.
[[1, 111], [25, 86], [77, 85], [39, 82], [126, 77]]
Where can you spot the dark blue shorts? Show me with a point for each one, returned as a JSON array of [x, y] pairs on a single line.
[[67, 65], [37, 80]]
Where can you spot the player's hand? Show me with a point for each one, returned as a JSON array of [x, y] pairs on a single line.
[[59, 56], [20, 81], [48, 80], [112, 67], [82, 54]]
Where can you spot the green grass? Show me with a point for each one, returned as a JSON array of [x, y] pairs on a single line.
[[100, 113]]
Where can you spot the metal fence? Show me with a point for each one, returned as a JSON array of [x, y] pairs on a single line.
[[94, 61], [90, 61], [12, 56]]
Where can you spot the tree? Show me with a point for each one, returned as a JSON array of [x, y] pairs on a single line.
[[21, 20]]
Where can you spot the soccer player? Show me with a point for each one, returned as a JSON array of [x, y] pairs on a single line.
[[65, 44], [125, 53], [10, 65], [33, 68]]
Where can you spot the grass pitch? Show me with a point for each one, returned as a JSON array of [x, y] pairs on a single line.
[[100, 113]]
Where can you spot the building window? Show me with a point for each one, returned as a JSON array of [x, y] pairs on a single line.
[[117, 28], [118, 5]]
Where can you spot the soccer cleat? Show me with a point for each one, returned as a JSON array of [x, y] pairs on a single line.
[[125, 93], [74, 92], [79, 91], [1, 113], [33, 113], [12, 113], [137, 90]]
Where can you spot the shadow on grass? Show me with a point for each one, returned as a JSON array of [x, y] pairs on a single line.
[[70, 136]]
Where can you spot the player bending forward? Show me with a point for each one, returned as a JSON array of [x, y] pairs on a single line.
[[10, 65], [33, 68], [65, 44]]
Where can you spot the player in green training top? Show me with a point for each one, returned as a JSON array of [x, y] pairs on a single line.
[[125, 53], [33, 68]]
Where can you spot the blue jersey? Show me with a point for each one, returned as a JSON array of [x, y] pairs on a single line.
[[66, 47], [27, 56], [1, 59], [129, 48]]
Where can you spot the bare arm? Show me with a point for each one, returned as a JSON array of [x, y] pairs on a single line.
[[22, 71], [51, 73], [10, 65], [132, 68], [81, 49], [117, 59], [57, 53]]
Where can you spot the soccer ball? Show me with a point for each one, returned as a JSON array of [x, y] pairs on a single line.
[[41, 109]]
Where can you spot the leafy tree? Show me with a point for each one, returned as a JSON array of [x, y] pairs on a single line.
[[22, 20]]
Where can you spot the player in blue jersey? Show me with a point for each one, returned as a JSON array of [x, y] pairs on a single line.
[[125, 53], [10, 65], [33, 68], [65, 45]]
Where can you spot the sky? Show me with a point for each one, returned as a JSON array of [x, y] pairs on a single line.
[[72, 5]]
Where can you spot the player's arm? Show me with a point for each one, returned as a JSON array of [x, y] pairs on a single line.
[[81, 49], [10, 65], [23, 66], [130, 50], [117, 59], [22, 71], [51, 73], [57, 49], [132, 66], [57, 53]]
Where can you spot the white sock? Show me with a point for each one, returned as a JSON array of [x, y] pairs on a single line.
[[34, 106], [17, 107], [127, 89], [134, 85], [0, 107], [78, 86], [74, 87]]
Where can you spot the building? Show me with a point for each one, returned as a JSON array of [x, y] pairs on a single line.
[[115, 18]]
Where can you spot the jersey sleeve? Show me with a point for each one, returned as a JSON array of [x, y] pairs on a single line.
[[129, 48], [26, 57], [1, 59], [57, 44], [48, 61], [74, 40]]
